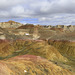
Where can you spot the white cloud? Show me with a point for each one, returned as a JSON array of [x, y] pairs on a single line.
[[17, 10], [45, 19], [47, 11]]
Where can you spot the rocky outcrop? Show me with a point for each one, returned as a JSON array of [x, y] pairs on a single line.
[[64, 27], [36, 34], [27, 26], [2, 35], [71, 28], [10, 24]]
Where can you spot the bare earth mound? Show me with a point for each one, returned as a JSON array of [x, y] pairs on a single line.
[[30, 65]]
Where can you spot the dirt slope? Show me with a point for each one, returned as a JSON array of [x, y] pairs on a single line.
[[30, 65], [38, 48], [65, 47]]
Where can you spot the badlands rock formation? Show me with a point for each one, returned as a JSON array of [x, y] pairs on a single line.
[[65, 47], [36, 50], [35, 33], [64, 27], [10, 24], [20, 47]]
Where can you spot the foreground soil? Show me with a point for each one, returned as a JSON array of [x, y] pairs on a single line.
[[30, 65]]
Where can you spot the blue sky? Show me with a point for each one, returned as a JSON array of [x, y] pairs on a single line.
[[44, 12]]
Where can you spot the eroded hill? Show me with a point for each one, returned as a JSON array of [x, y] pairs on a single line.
[[39, 48], [24, 65], [65, 47], [53, 48]]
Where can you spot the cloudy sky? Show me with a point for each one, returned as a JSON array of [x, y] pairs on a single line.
[[44, 12]]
